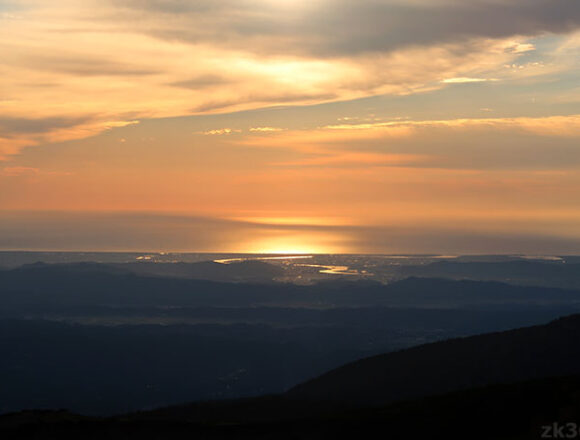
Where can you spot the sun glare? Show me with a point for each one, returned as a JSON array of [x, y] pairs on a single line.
[[298, 244], [280, 247]]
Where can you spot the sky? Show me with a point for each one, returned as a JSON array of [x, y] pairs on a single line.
[[280, 126]]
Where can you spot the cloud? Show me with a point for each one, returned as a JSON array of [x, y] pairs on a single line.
[[18, 133], [460, 240], [155, 232], [522, 48], [465, 80], [39, 125], [357, 159], [81, 65], [19, 171], [127, 60], [265, 129], [112, 231], [468, 144], [343, 27], [220, 132], [201, 82], [30, 172], [566, 126]]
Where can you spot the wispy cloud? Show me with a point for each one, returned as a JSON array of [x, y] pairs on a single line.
[[19, 171], [265, 129], [30, 172], [220, 132], [365, 25], [476, 143], [17, 133], [357, 159], [553, 125], [465, 80], [65, 58]]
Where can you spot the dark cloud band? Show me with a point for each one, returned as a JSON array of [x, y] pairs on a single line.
[[343, 27]]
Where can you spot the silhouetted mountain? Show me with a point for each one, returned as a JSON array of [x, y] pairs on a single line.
[[91, 284], [516, 411], [106, 370], [451, 293], [523, 354], [531, 273], [54, 270], [501, 385], [248, 338], [46, 364], [244, 271], [95, 284]]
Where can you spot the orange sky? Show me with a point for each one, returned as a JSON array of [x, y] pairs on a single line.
[[255, 126]]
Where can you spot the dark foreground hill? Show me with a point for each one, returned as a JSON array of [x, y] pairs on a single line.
[[525, 410], [509, 385], [147, 341], [222, 354], [522, 354]]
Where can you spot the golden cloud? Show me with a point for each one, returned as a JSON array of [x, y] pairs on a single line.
[[67, 58]]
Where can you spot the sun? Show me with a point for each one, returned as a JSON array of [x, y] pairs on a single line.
[[292, 244], [284, 247], [288, 251]]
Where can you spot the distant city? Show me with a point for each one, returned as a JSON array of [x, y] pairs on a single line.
[[297, 268]]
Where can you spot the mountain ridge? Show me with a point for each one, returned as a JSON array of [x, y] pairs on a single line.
[[445, 366]]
